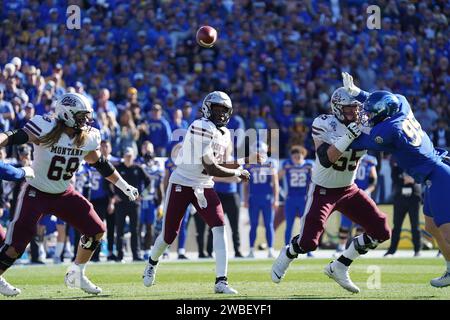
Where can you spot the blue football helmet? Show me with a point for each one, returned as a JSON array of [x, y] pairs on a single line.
[[379, 106]]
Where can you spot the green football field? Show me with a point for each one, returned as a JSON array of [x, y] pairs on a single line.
[[397, 278]]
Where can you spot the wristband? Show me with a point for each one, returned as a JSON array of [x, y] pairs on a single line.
[[122, 184], [342, 143]]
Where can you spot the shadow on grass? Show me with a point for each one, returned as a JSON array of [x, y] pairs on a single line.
[[76, 297]]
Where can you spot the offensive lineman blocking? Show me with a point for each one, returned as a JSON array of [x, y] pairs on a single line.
[[61, 143], [333, 188]]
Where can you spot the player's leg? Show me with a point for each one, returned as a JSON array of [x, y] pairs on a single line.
[[134, 229], [214, 218], [435, 192], [21, 230], [182, 235], [415, 228], [320, 204], [148, 217], [268, 216], [253, 212], [290, 213], [100, 206], [344, 232], [230, 204], [200, 226], [120, 214], [361, 209], [60, 240], [400, 211], [110, 231], [175, 205], [78, 212], [44, 224]]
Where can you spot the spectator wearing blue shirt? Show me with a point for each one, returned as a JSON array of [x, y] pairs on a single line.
[[7, 114], [104, 104], [159, 132]]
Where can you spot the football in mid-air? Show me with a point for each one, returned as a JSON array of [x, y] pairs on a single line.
[[206, 36]]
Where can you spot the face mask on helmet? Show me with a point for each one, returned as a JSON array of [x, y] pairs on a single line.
[[345, 107], [83, 120], [217, 108], [75, 110], [379, 106], [220, 115]]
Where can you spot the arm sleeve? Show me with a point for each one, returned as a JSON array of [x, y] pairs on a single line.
[[365, 142], [362, 96], [10, 173]]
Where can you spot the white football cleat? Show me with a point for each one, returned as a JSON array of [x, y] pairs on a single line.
[[441, 281], [223, 287], [149, 274], [341, 276], [8, 290], [280, 265], [75, 278]]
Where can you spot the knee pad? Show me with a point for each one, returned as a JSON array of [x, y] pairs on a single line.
[[367, 243], [5, 260], [89, 243]]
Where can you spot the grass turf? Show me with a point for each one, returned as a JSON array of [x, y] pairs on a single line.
[[399, 279]]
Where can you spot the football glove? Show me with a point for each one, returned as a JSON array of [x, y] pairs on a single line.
[[129, 190], [347, 80], [353, 130], [29, 172]]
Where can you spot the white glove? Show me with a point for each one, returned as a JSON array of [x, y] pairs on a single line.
[[130, 191], [347, 80], [242, 173], [353, 132], [29, 172]]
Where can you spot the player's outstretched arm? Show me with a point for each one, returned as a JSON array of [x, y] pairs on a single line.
[[11, 173], [17, 137], [107, 170], [352, 89]]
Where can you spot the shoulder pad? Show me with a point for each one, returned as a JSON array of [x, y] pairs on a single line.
[[321, 125], [94, 139], [40, 125], [202, 129]]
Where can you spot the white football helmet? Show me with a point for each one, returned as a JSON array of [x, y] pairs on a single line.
[[217, 98], [340, 99], [75, 110]]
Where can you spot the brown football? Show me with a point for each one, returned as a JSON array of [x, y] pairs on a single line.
[[206, 36]]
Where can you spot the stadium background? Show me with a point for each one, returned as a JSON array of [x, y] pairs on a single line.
[[279, 61]]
